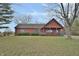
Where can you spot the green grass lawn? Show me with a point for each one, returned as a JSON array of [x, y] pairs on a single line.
[[38, 46]]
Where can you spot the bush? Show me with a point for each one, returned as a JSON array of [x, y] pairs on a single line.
[[28, 34], [23, 34], [7, 33], [34, 34], [76, 33]]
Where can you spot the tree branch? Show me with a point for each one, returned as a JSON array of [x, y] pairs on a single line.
[[67, 10], [75, 12]]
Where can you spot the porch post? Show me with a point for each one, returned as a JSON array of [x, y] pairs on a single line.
[[59, 31], [56, 32]]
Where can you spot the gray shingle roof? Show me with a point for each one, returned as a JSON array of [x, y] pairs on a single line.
[[29, 25]]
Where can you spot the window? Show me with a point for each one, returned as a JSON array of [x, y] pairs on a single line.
[[48, 30], [57, 31], [22, 30]]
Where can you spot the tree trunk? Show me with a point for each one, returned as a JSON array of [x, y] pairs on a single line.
[[68, 33]]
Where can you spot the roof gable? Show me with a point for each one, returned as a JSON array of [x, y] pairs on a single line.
[[53, 24]]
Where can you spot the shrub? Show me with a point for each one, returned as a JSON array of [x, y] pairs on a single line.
[[34, 34], [28, 34], [23, 34], [76, 33]]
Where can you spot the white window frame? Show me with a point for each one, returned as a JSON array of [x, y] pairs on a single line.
[[49, 31], [22, 30]]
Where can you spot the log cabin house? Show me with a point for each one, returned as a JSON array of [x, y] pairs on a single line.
[[53, 27]]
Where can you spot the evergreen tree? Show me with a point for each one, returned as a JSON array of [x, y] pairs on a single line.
[[5, 13]]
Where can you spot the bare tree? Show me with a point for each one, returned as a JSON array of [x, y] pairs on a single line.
[[67, 12], [24, 19]]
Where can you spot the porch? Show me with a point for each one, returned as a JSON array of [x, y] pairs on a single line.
[[52, 31]]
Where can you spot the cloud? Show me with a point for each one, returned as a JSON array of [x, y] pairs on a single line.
[[38, 13], [35, 13], [45, 5]]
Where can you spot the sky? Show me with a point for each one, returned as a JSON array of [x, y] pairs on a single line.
[[37, 10]]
